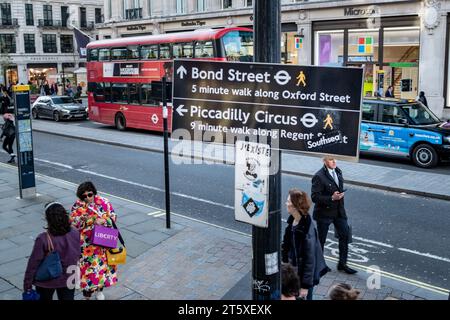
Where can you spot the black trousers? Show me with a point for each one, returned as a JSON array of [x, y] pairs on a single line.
[[8, 143], [63, 293], [341, 228]]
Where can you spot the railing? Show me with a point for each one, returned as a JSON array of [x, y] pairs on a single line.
[[9, 24], [89, 26], [42, 23]]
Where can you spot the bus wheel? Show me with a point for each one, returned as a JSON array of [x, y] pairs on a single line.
[[425, 156], [121, 123]]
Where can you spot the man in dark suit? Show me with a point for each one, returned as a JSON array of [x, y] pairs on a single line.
[[327, 193]]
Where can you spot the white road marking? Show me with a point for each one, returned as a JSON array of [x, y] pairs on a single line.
[[159, 214], [136, 184], [427, 255], [153, 213]]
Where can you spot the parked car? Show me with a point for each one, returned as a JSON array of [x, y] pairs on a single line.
[[406, 129], [58, 108]]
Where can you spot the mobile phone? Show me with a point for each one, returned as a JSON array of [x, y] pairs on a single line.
[[344, 190]]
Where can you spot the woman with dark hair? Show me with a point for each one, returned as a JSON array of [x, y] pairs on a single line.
[[290, 284], [66, 241], [301, 246], [89, 210]]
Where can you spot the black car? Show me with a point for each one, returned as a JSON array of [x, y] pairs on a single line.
[[58, 108]]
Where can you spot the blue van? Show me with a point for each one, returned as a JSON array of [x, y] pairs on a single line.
[[406, 129]]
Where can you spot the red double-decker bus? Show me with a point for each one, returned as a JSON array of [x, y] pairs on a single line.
[[121, 71]]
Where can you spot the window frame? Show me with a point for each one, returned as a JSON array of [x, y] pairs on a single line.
[[45, 45], [47, 14], [28, 36], [71, 43], [9, 38], [103, 50], [29, 21]]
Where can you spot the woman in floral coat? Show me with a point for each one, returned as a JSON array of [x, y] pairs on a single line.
[[88, 211]]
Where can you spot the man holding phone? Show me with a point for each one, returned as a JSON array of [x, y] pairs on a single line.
[[327, 193]]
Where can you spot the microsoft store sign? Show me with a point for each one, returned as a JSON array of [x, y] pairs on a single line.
[[362, 12]]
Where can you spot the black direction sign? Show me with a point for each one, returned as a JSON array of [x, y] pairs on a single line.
[[312, 109]]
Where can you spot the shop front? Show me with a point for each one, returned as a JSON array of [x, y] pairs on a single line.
[[388, 53]]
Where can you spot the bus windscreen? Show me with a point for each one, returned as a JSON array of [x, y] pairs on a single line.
[[238, 46]]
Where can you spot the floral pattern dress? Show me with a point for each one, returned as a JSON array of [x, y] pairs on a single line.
[[94, 269]]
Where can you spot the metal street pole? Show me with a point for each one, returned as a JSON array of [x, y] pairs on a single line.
[[266, 241], [166, 150]]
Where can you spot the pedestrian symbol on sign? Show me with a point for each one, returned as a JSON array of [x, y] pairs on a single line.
[[328, 122], [301, 79]]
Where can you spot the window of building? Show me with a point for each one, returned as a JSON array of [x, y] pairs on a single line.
[[119, 54], [201, 5], [227, 4], [149, 52], [30, 46], [29, 20], [103, 55], [48, 15], [119, 92], [248, 3], [110, 9], [6, 14], [98, 15], [49, 43], [329, 49], [64, 15], [289, 51], [181, 6], [204, 49], [164, 51], [183, 50], [7, 43], [66, 43], [83, 19]]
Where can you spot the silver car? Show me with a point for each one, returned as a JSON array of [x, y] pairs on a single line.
[[58, 108]]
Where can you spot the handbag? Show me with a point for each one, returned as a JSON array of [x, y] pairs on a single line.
[[32, 295], [117, 255], [104, 236], [51, 267]]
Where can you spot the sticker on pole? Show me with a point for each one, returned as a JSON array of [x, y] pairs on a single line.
[[252, 183]]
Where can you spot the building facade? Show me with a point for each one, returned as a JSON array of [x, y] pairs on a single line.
[[37, 40], [400, 43]]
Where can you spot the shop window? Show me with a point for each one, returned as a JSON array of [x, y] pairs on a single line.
[[204, 49], [329, 48], [119, 92], [149, 52], [289, 48], [362, 46]]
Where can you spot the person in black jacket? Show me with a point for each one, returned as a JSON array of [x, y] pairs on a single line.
[[423, 99], [327, 193], [5, 101], [301, 246], [9, 132]]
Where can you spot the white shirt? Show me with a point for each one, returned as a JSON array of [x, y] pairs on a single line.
[[332, 175]]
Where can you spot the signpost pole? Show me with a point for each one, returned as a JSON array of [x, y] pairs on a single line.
[[166, 151], [266, 241]]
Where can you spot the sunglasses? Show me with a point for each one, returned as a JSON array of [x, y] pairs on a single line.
[[88, 195]]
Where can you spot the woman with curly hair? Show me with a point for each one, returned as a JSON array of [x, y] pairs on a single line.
[[89, 210], [65, 240]]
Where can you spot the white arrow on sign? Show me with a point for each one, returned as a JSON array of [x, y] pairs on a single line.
[[181, 71], [282, 77], [181, 111]]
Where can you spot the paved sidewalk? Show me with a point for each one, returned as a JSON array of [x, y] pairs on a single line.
[[429, 184], [192, 260]]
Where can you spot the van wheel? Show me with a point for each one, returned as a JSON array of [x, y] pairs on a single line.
[[121, 123], [425, 156]]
